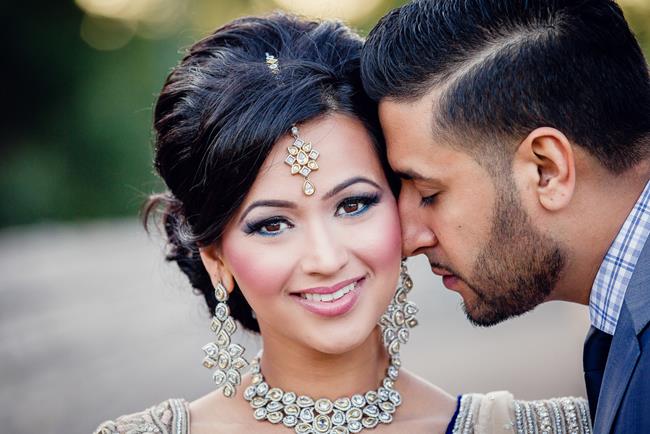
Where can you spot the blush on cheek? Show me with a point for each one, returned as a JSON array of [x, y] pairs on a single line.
[[380, 240], [258, 271]]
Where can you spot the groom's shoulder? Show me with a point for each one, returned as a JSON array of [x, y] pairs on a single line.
[[636, 307]]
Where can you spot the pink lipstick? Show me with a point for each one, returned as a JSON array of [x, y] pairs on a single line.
[[333, 300]]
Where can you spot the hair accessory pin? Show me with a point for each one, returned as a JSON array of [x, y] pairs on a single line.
[[302, 159], [272, 63]]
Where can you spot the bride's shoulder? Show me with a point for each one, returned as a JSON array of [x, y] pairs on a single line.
[[424, 403], [411, 384], [170, 416], [499, 412]]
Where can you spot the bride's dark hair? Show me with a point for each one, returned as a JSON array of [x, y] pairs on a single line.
[[220, 112]]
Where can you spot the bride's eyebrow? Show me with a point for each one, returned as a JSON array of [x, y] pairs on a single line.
[[348, 182], [269, 203]]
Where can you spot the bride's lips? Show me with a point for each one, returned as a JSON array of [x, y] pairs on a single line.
[[331, 301]]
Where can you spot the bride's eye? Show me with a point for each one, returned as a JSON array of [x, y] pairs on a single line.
[[269, 227], [272, 227], [357, 205]]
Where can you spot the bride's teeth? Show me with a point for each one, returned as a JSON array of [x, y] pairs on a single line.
[[329, 297]]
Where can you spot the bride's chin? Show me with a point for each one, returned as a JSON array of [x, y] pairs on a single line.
[[336, 349], [341, 342]]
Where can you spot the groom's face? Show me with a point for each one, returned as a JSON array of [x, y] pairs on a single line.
[[468, 221]]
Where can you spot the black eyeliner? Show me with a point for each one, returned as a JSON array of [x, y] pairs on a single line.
[[250, 228], [368, 199]]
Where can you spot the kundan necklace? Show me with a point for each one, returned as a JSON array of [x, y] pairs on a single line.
[[306, 415], [347, 414]]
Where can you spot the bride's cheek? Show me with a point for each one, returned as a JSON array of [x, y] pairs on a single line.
[[380, 240], [259, 271]]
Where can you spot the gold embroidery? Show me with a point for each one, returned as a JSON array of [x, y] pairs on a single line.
[[168, 417]]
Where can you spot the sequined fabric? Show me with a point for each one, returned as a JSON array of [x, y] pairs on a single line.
[[492, 413], [168, 417], [500, 413]]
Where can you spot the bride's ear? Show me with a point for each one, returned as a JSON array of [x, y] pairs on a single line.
[[213, 262]]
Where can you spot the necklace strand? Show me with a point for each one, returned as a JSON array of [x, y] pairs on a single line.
[[343, 416], [347, 414]]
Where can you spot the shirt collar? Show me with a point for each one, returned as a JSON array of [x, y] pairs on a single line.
[[613, 277]]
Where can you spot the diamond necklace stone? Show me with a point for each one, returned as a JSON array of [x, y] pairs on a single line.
[[343, 416]]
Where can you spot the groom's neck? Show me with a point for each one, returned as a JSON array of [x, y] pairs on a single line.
[[602, 203]]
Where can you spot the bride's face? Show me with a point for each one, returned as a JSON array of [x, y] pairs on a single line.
[[318, 270]]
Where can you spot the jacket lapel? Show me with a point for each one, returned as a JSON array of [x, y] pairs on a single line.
[[623, 356], [624, 352]]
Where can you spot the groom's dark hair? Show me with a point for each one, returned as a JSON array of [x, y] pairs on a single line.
[[501, 68]]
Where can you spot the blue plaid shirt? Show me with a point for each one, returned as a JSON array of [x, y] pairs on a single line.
[[608, 290]]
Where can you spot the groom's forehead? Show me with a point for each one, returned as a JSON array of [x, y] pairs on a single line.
[[408, 126], [416, 116], [404, 119]]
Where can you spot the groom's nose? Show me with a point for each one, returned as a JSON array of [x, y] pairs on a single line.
[[417, 235]]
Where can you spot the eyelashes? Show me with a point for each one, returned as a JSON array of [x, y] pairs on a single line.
[[427, 201], [267, 227], [348, 205], [347, 208]]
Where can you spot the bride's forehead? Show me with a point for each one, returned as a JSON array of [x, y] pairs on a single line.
[[338, 147]]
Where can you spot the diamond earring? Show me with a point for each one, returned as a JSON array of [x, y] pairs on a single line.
[[399, 317], [222, 353]]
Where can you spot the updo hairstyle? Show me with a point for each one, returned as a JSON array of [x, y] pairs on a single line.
[[221, 111]]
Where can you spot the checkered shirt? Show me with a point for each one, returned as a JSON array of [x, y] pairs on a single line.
[[608, 290]]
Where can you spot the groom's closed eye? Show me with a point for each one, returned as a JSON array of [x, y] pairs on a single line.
[[428, 200]]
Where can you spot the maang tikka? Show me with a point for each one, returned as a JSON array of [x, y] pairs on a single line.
[[226, 356], [302, 159]]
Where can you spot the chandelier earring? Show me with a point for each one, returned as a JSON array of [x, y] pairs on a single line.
[[222, 354], [399, 318]]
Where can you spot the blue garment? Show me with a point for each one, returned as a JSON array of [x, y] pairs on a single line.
[[624, 399], [452, 422], [594, 359]]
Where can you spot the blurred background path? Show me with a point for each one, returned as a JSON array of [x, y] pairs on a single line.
[[94, 324]]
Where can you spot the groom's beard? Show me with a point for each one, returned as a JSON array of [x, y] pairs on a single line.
[[515, 270], [518, 267]]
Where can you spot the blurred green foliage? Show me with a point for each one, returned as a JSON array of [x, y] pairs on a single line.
[[77, 130]]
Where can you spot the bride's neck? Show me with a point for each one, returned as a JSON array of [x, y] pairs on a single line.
[[305, 371]]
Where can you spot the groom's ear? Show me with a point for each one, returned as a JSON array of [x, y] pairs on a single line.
[[546, 159]]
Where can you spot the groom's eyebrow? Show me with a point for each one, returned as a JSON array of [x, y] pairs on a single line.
[[412, 175]]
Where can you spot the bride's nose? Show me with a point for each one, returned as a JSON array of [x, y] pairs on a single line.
[[323, 252]]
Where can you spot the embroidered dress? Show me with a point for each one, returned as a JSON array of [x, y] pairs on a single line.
[[500, 413], [169, 417], [492, 413]]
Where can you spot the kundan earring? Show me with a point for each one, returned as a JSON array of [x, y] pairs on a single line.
[[222, 354], [399, 317]]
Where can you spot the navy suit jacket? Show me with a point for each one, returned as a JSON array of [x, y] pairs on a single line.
[[624, 400]]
